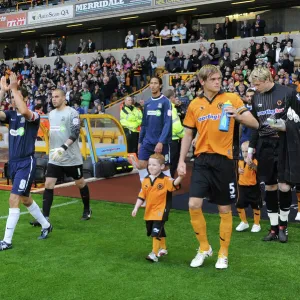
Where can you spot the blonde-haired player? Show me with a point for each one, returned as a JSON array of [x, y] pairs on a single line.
[[249, 191], [155, 188], [213, 173]]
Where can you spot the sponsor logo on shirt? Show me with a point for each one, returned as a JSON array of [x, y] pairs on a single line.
[[209, 117], [61, 128], [19, 132], [154, 113], [270, 112]]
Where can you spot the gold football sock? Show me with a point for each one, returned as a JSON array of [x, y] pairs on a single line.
[[163, 243], [225, 232], [155, 245], [256, 216], [199, 226], [242, 214]]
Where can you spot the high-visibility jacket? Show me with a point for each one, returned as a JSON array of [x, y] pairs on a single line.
[[131, 118], [177, 128]]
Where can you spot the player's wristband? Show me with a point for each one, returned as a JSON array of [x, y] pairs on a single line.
[[250, 150], [64, 146]]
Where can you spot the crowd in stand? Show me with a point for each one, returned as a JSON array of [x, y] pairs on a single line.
[[88, 87], [278, 56]]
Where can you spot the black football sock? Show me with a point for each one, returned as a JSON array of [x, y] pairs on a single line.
[[47, 201], [85, 196]]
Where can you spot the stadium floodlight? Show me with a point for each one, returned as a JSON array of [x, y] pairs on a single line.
[[127, 18], [74, 25], [242, 2], [28, 31], [187, 9]]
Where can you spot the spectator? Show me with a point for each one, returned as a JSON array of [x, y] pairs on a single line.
[[143, 38], [85, 98], [58, 62], [6, 53], [97, 94], [175, 35], [196, 63], [188, 29], [192, 39], [98, 108], [274, 43], [152, 42], [264, 42], [173, 64], [205, 58], [287, 64], [218, 33], [144, 72], [278, 57], [285, 41], [165, 35], [182, 32], [79, 109], [227, 29], [61, 48], [129, 40], [186, 63], [174, 52], [225, 62], [52, 49], [81, 46], [259, 26], [26, 52], [245, 29], [225, 49], [152, 63], [290, 51], [38, 50], [214, 52], [91, 46], [137, 71]]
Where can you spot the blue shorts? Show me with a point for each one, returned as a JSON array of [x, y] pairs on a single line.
[[22, 173], [146, 150]]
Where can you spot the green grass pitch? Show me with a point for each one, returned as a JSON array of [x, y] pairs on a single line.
[[104, 258]]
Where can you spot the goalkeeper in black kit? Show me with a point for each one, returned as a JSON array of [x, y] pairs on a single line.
[[277, 144]]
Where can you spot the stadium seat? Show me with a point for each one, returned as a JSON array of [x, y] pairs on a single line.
[[98, 136], [237, 37], [108, 137], [275, 33]]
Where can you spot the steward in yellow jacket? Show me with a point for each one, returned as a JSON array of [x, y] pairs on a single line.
[[177, 133], [131, 120]]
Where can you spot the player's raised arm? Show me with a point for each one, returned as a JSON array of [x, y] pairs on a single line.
[[4, 89], [19, 100]]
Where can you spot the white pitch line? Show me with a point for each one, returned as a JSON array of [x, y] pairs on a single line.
[[54, 206], [93, 179]]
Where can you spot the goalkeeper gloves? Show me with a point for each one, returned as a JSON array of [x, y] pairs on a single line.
[[56, 154], [277, 124]]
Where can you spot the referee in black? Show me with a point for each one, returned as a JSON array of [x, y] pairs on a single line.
[[270, 106]]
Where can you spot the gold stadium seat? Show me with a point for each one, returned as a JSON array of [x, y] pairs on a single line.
[[98, 136], [108, 137], [237, 37]]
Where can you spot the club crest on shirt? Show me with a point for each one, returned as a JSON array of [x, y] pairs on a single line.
[[160, 186], [202, 107], [220, 105], [63, 118], [22, 120], [279, 102], [159, 105]]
